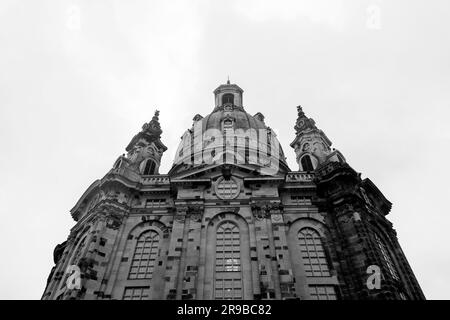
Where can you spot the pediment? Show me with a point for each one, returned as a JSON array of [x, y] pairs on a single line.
[[212, 172]]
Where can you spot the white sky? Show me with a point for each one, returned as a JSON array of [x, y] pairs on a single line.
[[79, 78]]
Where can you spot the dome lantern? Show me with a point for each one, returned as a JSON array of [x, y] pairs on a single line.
[[228, 94]]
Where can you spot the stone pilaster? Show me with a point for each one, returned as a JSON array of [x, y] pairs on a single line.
[[174, 254], [267, 253], [191, 254]]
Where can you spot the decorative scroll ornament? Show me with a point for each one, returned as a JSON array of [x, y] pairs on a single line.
[[261, 213], [263, 210], [111, 215], [114, 220], [197, 117], [180, 214], [179, 218], [196, 212], [58, 251], [277, 217], [346, 207]]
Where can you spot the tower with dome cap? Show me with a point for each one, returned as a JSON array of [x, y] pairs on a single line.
[[231, 220]]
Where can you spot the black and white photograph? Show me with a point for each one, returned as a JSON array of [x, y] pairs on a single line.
[[194, 150]]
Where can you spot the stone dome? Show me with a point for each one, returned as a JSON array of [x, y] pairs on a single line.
[[228, 122], [241, 119]]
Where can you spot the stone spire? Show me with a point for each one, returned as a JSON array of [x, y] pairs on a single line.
[[153, 128], [147, 145], [151, 132], [311, 145], [303, 123]]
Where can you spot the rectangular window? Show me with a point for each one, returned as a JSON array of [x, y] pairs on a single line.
[[155, 203], [145, 255], [228, 127], [228, 288], [322, 293], [387, 258], [228, 279], [301, 200], [136, 293]]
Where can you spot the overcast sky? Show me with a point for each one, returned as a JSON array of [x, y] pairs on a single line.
[[79, 78]]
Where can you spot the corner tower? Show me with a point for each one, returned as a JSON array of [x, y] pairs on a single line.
[[355, 221], [312, 147], [145, 150]]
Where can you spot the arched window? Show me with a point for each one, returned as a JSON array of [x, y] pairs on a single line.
[[228, 126], [76, 257], [269, 143], [228, 278], [306, 163], [386, 257], [312, 253], [228, 98], [145, 255], [149, 167], [118, 164], [247, 150]]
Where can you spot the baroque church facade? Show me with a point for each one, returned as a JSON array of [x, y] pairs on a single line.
[[231, 220]]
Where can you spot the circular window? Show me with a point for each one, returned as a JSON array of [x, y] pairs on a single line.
[[227, 189]]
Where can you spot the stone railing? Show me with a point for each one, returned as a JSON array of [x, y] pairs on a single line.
[[127, 173], [329, 167], [145, 180], [155, 179], [300, 177]]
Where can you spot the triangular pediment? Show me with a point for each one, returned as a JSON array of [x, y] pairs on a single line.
[[239, 170]]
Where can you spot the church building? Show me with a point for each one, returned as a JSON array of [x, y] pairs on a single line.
[[231, 220]]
